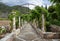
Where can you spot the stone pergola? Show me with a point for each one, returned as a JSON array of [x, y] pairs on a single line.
[[14, 20]]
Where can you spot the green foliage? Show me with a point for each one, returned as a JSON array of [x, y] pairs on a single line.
[[15, 14], [2, 30], [55, 12], [55, 1], [54, 16], [10, 17], [26, 17], [57, 7], [35, 14], [51, 9], [22, 9], [3, 19]]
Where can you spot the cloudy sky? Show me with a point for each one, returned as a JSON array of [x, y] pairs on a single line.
[[19, 2]]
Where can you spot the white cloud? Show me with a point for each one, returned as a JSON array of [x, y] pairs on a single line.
[[35, 3], [38, 2], [19, 2]]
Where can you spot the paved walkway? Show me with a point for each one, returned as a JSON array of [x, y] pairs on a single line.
[[27, 34]]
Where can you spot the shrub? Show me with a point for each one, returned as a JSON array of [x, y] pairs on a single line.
[[2, 30]]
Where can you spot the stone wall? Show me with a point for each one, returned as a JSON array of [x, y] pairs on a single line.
[[55, 28], [47, 35], [11, 36]]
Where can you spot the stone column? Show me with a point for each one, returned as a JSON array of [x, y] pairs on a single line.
[[22, 22], [14, 23], [43, 23], [19, 21]]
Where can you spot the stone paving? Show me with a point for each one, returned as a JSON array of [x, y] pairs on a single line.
[[27, 34]]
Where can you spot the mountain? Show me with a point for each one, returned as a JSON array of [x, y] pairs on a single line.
[[5, 10], [22, 9]]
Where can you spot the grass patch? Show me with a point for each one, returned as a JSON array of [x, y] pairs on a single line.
[[3, 18]]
